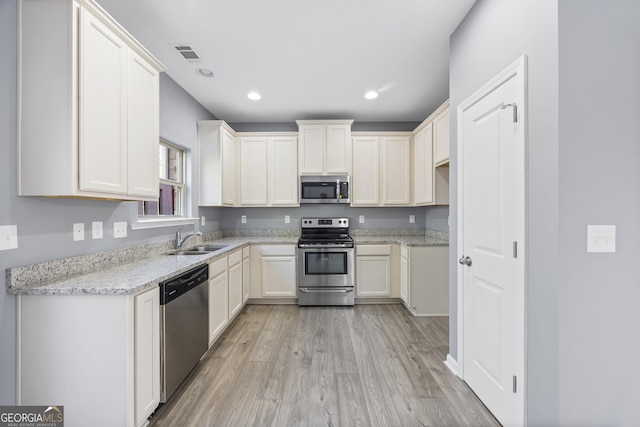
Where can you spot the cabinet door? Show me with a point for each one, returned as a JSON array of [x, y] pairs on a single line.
[[311, 149], [365, 179], [246, 279], [279, 276], [147, 354], [102, 108], [338, 149], [228, 168], [373, 274], [218, 306], [404, 280], [253, 171], [396, 171], [235, 289], [283, 171], [441, 138], [142, 125], [423, 166]]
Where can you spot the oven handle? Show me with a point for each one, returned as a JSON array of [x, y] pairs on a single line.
[[329, 246], [316, 290]]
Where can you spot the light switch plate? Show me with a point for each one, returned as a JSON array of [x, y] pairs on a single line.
[[361, 219], [78, 231], [287, 219], [119, 230], [412, 219], [8, 237], [96, 230], [601, 238], [243, 219]]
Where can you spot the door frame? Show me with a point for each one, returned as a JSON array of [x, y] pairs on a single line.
[[518, 70]]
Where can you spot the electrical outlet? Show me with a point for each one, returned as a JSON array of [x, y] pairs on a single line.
[[8, 237], [361, 219], [96, 230], [78, 231], [412, 219], [203, 220], [243, 219], [601, 238], [119, 230], [287, 219]]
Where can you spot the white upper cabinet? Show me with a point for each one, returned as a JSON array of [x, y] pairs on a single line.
[[283, 171], [396, 170], [324, 147], [217, 164], [89, 124], [365, 181], [269, 170], [254, 188], [431, 159], [422, 166], [381, 170], [441, 135]]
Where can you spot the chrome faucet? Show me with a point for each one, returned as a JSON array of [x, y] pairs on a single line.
[[180, 240]]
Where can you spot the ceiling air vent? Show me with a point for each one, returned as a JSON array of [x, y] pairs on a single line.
[[187, 53]]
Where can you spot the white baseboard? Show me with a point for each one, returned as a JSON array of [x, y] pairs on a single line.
[[452, 364]]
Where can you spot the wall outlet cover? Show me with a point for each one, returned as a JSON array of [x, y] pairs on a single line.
[[243, 219], [203, 220], [8, 237], [96, 230], [601, 238], [412, 219], [78, 231], [287, 219], [119, 230], [361, 219]]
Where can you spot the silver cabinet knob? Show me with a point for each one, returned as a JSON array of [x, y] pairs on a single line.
[[465, 261]]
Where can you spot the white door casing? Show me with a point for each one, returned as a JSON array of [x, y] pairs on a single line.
[[491, 235]]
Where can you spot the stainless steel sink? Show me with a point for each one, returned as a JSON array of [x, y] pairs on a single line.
[[198, 250]]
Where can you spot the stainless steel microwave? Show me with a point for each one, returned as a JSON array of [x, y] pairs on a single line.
[[324, 189]]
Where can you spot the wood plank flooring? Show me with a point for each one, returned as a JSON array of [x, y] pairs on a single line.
[[368, 365]]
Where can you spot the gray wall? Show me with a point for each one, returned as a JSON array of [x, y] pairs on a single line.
[[582, 161], [44, 225], [492, 36], [599, 158]]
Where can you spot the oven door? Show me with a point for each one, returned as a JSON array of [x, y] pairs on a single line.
[[325, 267]]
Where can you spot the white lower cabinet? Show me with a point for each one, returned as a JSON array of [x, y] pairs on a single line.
[[235, 283], [218, 298], [108, 344], [424, 280], [373, 270], [246, 273], [273, 271]]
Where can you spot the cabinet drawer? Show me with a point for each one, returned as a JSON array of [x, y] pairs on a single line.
[[235, 258], [217, 267], [404, 252], [277, 250], [246, 251], [373, 249]]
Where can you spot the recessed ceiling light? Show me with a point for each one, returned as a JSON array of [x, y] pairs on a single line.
[[205, 72], [372, 94], [254, 96]]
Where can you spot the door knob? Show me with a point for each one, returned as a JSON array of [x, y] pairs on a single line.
[[465, 261]]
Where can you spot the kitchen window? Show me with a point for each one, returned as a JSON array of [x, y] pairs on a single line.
[[171, 206]]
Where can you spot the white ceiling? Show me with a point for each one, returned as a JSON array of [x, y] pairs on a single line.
[[308, 59]]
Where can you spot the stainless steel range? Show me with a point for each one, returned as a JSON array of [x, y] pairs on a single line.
[[325, 262]]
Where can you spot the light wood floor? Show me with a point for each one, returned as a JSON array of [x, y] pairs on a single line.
[[368, 365]]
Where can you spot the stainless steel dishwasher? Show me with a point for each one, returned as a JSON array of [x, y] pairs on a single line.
[[184, 326]]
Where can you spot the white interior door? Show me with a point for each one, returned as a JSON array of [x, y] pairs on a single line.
[[491, 243]]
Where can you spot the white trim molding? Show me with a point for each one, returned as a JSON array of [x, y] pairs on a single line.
[[452, 364]]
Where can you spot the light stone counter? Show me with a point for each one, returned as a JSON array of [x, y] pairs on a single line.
[[132, 270], [125, 278]]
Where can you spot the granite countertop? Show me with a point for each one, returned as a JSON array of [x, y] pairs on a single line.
[[100, 274]]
